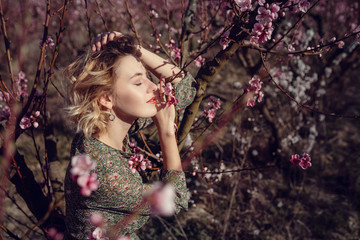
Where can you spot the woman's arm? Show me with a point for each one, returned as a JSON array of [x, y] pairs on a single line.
[[154, 63]]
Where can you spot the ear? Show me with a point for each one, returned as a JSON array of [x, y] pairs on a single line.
[[106, 101]]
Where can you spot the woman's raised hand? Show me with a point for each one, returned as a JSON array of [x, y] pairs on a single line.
[[103, 38], [165, 117]]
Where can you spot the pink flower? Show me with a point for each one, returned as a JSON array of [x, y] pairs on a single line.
[[168, 89], [21, 75], [96, 219], [258, 29], [291, 48], [199, 61], [137, 162], [50, 42], [305, 161], [261, 2], [274, 9], [88, 184], [264, 16], [173, 100], [54, 234], [295, 159], [81, 165], [244, 4], [255, 83], [304, 5], [340, 44], [25, 123], [211, 115], [260, 96], [35, 124], [224, 41], [98, 234], [250, 102], [161, 199]]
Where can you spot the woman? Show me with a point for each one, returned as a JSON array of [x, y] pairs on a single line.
[[111, 98]]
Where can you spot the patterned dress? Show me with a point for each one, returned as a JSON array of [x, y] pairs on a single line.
[[120, 192]]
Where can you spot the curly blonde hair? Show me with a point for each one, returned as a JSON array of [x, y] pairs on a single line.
[[92, 76]]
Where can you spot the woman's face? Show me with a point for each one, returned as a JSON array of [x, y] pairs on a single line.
[[132, 90]]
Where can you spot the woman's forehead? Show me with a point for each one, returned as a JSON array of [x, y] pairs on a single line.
[[128, 65]]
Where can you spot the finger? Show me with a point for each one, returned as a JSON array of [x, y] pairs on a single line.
[[111, 36], [104, 39]]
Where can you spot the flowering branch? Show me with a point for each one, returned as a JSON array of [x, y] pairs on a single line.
[[307, 107]]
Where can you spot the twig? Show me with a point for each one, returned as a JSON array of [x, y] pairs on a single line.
[[88, 20], [12, 235], [7, 45], [293, 26], [133, 27], [38, 70], [102, 16]]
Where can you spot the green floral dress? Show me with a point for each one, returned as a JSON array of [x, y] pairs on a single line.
[[120, 191]]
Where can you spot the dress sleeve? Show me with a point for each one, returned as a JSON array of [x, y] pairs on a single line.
[[184, 91], [178, 181]]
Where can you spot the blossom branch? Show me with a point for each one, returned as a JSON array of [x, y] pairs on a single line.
[[307, 107], [293, 26], [38, 70]]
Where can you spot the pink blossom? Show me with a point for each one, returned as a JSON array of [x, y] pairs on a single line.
[[96, 219], [199, 61], [295, 159], [244, 4], [255, 83], [274, 11], [291, 48], [98, 234], [250, 102], [264, 16], [173, 100], [261, 33], [168, 89], [25, 123], [304, 5], [54, 234], [81, 165], [261, 2], [260, 96], [211, 115], [224, 41], [37, 113], [137, 162], [305, 161], [35, 124], [50, 42], [340, 44], [21, 75], [88, 184], [161, 199]]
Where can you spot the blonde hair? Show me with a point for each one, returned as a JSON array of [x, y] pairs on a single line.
[[92, 76]]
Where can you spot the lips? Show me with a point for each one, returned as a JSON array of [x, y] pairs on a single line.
[[152, 100]]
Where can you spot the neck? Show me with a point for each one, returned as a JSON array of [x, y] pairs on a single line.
[[115, 133]]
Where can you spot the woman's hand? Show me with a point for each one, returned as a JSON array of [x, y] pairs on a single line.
[[103, 38], [165, 117]]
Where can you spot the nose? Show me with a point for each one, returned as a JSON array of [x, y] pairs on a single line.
[[152, 87]]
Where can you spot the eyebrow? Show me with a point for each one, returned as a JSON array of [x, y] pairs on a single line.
[[136, 75]]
